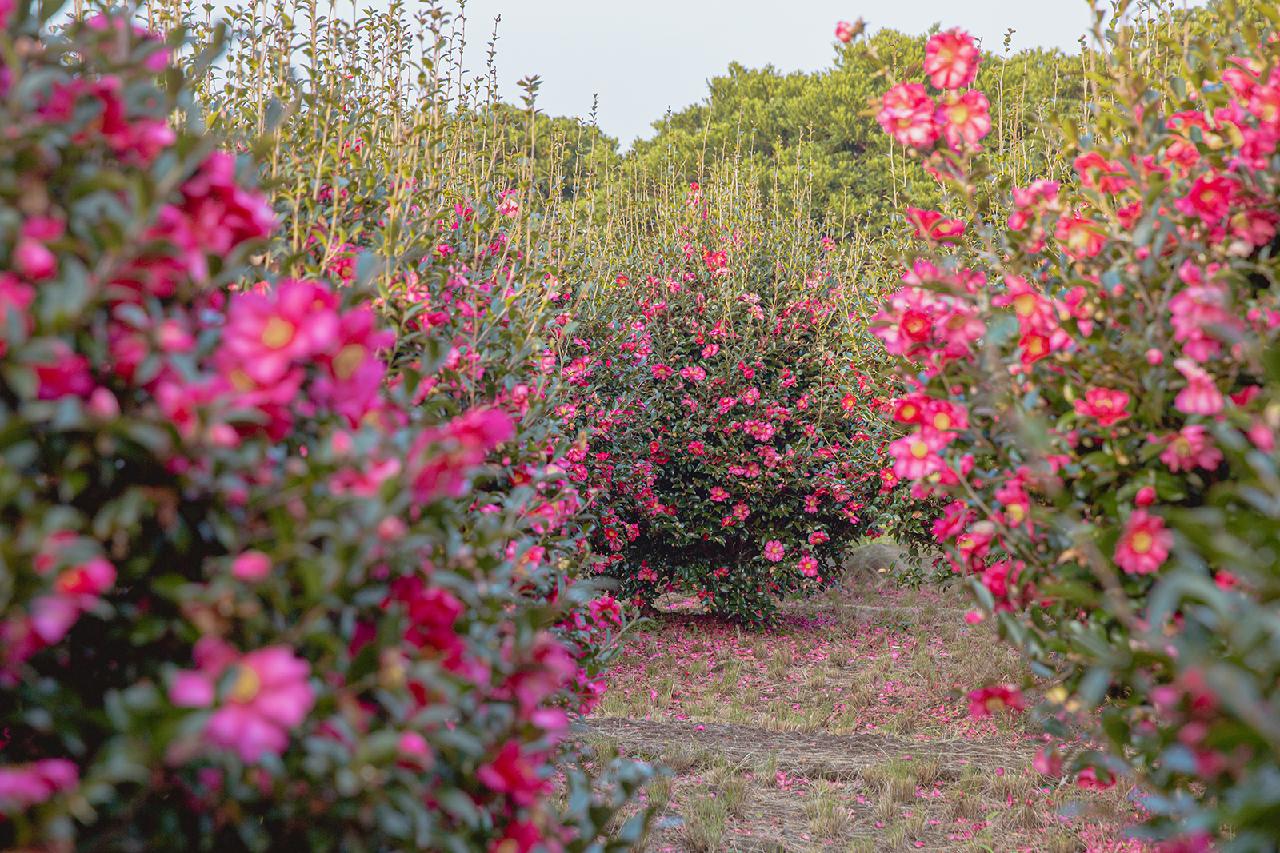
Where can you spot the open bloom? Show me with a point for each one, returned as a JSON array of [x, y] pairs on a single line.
[[1144, 545], [773, 550], [1080, 236], [931, 224], [916, 456], [26, 785], [1191, 448], [445, 456], [1108, 406], [847, 31], [266, 334], [951, 59], [986, 701], [266, 698], [511, 772], [808, 566], [964, 119], [907, 114], [1201, 395]]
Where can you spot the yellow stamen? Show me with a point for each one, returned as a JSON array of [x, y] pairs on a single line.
[[246, 685], [277, 332]]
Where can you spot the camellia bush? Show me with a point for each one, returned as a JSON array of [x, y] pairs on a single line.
[[1092, 384], [732, 437], [250, 594]]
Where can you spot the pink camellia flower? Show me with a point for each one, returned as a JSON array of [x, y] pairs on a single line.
[[267, 334], [964, 119], [1201, 395], [951, 59], [91, 578], [267, 696], [916, 456], [1262, 436], [215, 216], [1080, 236], [103, 404], [33, 260], [986, 701], [510, 204], [1106, 405], [52, 617], [1047, 762], [907, 114], [26, 785], [1089, 780], [512, 773], [693, 373], [931, 224], [415, 751], [774, 551], [1191, 448], [1209, 198], [251, 566], [353, 379], [1144, 545], [446, 455], [808, 566], [67, 375], [846, 31], [718, 494]]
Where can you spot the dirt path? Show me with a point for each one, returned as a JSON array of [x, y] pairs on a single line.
[[745, 788], [816, 755]]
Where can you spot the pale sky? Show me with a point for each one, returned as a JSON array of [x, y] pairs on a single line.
[[645, 57]]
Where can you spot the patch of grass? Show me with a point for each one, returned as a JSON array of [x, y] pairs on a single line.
[[824, 807], [705, 822], [659, 791]]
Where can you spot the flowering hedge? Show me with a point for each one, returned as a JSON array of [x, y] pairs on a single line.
[[1093, 386], [733, 441], [245, 597]]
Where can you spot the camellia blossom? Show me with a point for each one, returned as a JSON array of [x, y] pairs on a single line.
[[1144, 545], [1089, 780], [1106, 405], [847, 31], [1080, 236], [251, 566], [266, 334], [916, 456], [1201, 395], [26, 785], [267, 696], [951, 59], [930, 224], [1209, 198], [446, 455], [986, 701], [774, 551], [907, 114], [808, 566], [513, 773], [1191, 448], [964, 119]]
